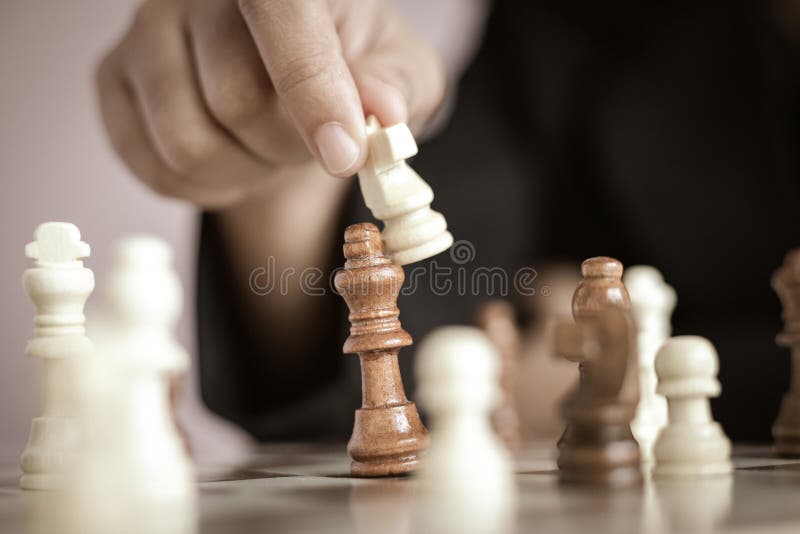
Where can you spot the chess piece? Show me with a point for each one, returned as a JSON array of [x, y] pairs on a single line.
[[605, 394], [137, 449], [467, 470], [59, 285], [786, 282], [458, 372], [498, 321], [399, 197], [388, 435], [652, 302], [692, 443], [598, 447]]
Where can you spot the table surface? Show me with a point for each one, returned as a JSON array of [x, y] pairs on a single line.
[[306, 488]]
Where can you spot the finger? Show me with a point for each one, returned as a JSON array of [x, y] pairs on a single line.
[[186, 137], [300, 48], [131, 142], [124, 126], [400, 78], [235, 84]]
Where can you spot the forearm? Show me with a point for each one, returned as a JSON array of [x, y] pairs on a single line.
[[271, 241]]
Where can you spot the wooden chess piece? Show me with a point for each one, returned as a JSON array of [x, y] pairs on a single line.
[[388, 435], [600, 447], [786, 282], [599, 415], [498, 321], [600, 288]]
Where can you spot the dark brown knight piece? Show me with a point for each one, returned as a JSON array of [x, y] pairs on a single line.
[[597, 445], [388, 435], [786, 282]]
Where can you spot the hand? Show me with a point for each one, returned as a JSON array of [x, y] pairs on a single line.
[[212, 101]]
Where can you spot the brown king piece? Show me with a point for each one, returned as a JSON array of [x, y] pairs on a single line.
[[388, 435]]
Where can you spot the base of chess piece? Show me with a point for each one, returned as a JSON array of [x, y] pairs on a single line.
[[387, 440], [600, 453], [52, 449], [786, 429], [691, 450]]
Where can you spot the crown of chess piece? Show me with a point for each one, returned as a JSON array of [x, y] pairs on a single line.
[[692, 443], [786, 282], [399, 197], [388, 435], [652, 303], [597, 446], [498, 321], [59, 285]]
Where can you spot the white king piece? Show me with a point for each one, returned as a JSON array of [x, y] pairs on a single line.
[[399, 197], [59, 285]]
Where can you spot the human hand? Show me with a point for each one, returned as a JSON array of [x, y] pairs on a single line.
[[213, 100]]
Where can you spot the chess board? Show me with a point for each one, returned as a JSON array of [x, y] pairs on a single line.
[[306, 488]]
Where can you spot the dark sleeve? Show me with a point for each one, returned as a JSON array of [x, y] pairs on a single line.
[[236, 378]]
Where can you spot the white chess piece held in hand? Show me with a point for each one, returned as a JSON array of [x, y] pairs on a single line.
[[399, 197]]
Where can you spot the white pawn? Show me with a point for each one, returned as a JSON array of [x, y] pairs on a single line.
[[692, 443], [458, 372], [136, 448], [652, 303], [399, 197], [59, 285]]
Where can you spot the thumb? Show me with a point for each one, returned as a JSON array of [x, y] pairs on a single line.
[[301, 51]]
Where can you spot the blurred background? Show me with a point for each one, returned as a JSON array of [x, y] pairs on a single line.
[[56, 164]]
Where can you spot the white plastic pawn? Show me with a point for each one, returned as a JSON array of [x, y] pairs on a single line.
[[137, 448], [59, 285], [399, 197], [652, 303], [692, 443], [457, 372]]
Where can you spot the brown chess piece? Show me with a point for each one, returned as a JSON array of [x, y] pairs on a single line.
[[786, 282], [597, 445], [388, 435], [497, 319]]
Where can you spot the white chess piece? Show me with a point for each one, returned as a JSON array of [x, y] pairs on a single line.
[[457, 371], [652, 303], [136, 448], [692, 443], [399, 197], [59, 285]]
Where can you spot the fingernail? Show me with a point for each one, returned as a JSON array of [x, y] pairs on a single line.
[[338, 150]]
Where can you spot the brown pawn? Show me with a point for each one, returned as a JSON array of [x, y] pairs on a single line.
[[388, 435], [786, 282], [498, 320], [599, 447]]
